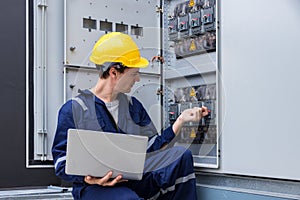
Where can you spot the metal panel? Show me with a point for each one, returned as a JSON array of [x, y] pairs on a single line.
[[48, 66], [260, 75], [190, 66], [106, 16]]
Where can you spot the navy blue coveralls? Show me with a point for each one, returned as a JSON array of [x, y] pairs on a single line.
[[168, 174]]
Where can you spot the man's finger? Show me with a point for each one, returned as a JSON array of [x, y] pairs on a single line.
[[105, 178], [204, 111], [90, 180], [114, 181]]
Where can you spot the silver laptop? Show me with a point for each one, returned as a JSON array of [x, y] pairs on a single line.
[[96, 153]]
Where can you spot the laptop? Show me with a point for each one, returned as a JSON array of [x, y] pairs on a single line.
[[95, 153]]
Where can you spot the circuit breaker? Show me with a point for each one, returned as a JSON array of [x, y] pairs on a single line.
[[173, 28], [195, 22], [183, 26]]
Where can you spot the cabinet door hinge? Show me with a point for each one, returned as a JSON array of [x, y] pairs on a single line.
[[159, 9]]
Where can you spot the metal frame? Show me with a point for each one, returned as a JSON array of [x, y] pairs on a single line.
[[156, 69]]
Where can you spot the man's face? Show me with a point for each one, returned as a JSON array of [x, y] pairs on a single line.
[[127, 80]]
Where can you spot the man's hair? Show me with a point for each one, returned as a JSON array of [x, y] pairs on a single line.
[[104, 69]]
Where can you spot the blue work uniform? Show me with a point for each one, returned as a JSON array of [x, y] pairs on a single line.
[[168, 174]]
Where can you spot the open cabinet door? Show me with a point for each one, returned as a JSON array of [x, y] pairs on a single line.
[[191, 74], [64, 33]]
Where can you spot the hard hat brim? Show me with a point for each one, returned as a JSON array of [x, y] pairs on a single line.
[[143, 63]]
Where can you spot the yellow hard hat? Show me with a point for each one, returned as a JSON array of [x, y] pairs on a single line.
[[119, 48]]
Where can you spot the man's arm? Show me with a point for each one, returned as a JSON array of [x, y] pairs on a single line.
[[65, 122]]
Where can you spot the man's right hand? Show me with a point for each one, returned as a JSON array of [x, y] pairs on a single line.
[[105, 180]]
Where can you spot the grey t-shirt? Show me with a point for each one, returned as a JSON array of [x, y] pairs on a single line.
[[113, 108]]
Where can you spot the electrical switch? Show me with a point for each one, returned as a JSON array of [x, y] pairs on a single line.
[[173, 28], [207, 16], [183, 26]]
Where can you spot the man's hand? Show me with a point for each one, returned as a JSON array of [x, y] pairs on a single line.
[[189, 115], [105, 180], [193, 114]]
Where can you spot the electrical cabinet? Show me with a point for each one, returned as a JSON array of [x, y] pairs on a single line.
[[190, 73], [180, 42]]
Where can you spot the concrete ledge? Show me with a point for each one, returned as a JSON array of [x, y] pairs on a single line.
[[251, 185]]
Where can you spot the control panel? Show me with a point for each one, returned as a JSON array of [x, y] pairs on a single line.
[[191, 74], [203, 131], [192, 27]]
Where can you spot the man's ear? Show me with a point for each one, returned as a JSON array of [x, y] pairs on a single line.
[[113, 72]]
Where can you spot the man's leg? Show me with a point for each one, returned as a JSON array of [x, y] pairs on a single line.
[[108, 193], [169, 174]]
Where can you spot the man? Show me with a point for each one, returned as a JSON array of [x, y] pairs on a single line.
[[168, 172]]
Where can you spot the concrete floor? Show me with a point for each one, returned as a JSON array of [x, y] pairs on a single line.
[[37, 193]]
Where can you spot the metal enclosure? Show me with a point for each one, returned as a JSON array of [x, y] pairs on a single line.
[[190, 74], [179, 41], [254, 70]]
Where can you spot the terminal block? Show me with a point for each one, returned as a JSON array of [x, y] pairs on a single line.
[[210, 92], [207, 134], [189, 134]]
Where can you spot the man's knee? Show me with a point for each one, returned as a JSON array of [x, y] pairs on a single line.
[[110, 193], [188, 154]]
